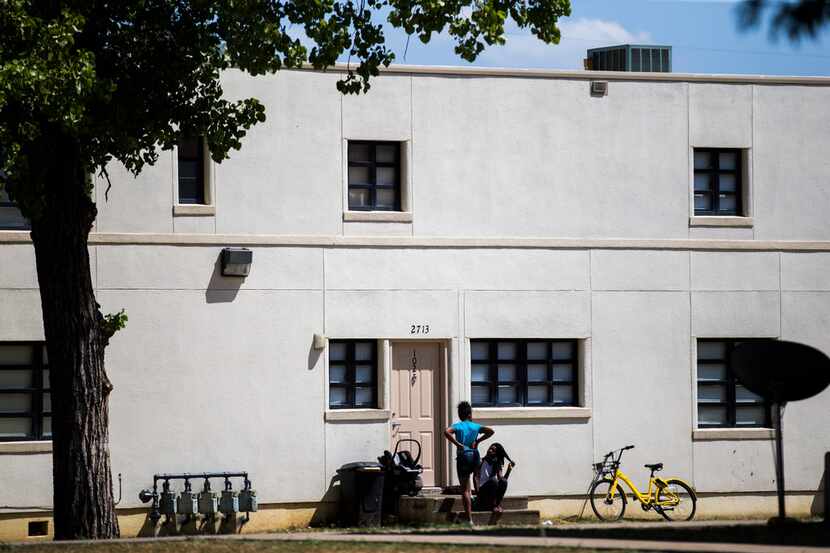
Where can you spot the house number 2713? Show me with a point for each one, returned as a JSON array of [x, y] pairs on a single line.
[[419, 329]]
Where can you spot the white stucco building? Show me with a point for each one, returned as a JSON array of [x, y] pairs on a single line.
[[576, 265]]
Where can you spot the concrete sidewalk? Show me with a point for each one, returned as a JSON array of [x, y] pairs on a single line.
[[473, 538]]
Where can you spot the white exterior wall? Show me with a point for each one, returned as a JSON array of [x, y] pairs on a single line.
[[215, 373]]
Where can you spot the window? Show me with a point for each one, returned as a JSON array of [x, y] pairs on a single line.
[[717, 181], [10, 216], [529, 373], [192, 171], [353, 374], [374, 176], [25, 401], [722, 402]]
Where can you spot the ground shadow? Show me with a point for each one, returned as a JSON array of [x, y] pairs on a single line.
[[325, 514], [222, 289], [803, 533]]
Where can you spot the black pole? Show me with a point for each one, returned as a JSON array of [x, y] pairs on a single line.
[[779, 465], [827, 488]]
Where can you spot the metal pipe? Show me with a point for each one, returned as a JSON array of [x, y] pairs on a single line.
[[779, 466]]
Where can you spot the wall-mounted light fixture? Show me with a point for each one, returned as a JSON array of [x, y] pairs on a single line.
[[319, 341], [236, 261]]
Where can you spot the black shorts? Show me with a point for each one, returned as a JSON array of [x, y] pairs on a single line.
[[466, 463]]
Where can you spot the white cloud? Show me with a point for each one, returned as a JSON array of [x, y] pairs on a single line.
[[598, 30], [524, 50]]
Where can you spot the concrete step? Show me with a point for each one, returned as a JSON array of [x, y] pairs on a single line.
[[436, 508], [510, 517]]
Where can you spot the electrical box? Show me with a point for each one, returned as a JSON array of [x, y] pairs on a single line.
[[187, 503], [229, 502], [167, 503], [208, 503], [247, 501]]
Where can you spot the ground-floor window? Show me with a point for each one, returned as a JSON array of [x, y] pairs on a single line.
[[353, 368], [524, 373], [722, 402], [25, 401]]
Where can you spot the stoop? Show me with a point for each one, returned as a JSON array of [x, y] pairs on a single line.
[[434, 509]]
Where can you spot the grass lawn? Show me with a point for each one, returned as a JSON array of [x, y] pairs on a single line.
[[241, 546]]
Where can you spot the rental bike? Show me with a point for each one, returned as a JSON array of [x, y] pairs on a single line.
[[672, 498]]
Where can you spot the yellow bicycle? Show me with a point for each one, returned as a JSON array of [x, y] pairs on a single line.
[[672, 498]]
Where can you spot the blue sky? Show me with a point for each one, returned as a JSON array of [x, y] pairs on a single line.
[[704, 36]]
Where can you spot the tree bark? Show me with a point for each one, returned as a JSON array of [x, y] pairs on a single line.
[[75, 340]]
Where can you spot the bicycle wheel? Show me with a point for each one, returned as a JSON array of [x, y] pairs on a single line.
[[677, 501], [604, 506]]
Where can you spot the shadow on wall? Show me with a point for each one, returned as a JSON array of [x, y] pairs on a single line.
[[222, 289], [326, 512], [313, 355], [193, 526], [817, 506]]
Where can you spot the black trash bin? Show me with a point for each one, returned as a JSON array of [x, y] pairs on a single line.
[[361, 493]]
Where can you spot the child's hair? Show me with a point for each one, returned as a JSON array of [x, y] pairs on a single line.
[[465, 411], [501, 455]]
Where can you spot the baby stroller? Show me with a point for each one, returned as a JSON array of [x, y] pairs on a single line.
[[403, 475]]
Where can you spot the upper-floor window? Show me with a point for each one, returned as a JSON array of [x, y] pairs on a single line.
[[722, 402], [717, 181], [353, 368], [374, 176], [10, 216], [191, 169], [25, 401], [524, 373]]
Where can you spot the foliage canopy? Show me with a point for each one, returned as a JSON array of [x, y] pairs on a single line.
[[122, 77]]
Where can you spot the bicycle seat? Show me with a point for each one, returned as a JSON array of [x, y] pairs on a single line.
[[656, 466]]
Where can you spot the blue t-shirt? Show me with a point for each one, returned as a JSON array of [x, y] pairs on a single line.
[[466, 432]]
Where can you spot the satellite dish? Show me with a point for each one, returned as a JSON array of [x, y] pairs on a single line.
[[781, 371]]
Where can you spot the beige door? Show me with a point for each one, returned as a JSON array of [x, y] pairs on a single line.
[[416, 376]]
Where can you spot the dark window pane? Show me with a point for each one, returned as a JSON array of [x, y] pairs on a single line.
[[507, 350], [563, 372], [703, 160], [479, 351], [507, 394], [191, 169], [703, 201], [666, 63], [15, 403], [359, 175], [359, 152], [359, 198], [507, 373], [711, 393], [713, 351], [708, 415], [480, 373], [728, 160], [711, 371], [563, 394], [754, 415], [537, 373], [537, 394], [15, 428], [480, 395], [703, 182], [727, 203], [386, 153], [385, 198]]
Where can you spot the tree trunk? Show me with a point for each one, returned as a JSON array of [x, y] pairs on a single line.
[[75, 340]]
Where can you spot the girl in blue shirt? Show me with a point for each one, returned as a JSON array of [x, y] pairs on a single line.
[[466, 435]]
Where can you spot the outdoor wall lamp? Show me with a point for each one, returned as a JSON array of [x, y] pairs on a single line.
[[319, 341], [236, 261]]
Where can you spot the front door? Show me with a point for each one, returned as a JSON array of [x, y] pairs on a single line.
[[416, 376]]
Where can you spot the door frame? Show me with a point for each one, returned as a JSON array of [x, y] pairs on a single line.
[[441, 415]]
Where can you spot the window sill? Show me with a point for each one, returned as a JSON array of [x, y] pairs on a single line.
[[536, 413], [44, 446], [720, 221], [729, 434], [377, 216], [193, 210], [357, 415]]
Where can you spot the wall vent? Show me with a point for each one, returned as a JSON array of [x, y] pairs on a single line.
[[599, 88], [38, 528]]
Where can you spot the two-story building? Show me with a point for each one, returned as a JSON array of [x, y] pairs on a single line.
[[576, 261]]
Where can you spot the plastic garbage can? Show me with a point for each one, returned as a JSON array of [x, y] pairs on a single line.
[[361, 493]]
